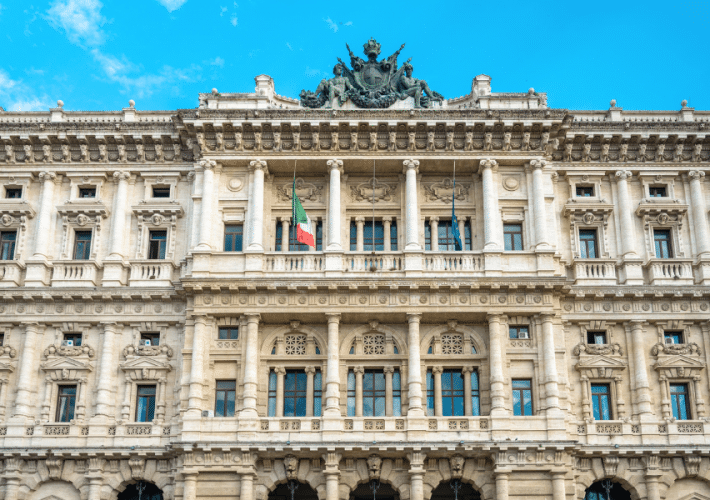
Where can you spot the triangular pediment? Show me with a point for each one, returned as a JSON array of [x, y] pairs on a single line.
[[65, 363], [146, 362], [600, 361], [678, 361], [695, 496]]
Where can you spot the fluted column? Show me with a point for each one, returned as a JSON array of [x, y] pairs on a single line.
[[189, 485], [411, 169], [628, 240], [491, 214], [332, 378], [496, 366], [416, 475], [43, 233], [335, 167], [256, 210], [700, 217], [197, 364], [27, 371], [118, 218], [252, 363], [206, 213], [550, 363], [642, 388], [538, 195], [105, 391], [280, 374], [414, 375], [332, 475]]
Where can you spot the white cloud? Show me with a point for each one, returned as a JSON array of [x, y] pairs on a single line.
[[172, 5], [315, 73], [80, 19], [349, 23], [217, 61], [223, 11], [289, 46], [17, 96], [331, 24], [32, 71], [234, 20]]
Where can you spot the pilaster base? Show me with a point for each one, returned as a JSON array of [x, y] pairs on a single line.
[[115, 273], [545, 261], [493, 263], [413, 262], [333, 262], [631, 272], [254, 262], [38, 273], [702, 271], [417, 425], [201, 264]]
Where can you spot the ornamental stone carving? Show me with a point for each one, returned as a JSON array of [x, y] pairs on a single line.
[[54, 467], [291, 466], [72, 351], [366, 191], [147, 350], [456, 463], [673, 349], [598, 349], [306, 191], [444, 191], [374, 466]]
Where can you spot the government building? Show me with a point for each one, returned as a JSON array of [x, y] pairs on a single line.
[[164, 334]]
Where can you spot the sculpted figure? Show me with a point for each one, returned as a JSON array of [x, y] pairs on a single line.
[[277, 141], [337, 86], [506, 141], [623, 151], [8, 153], [568, 151], [66, 153], [488, 142], [660, 149], [103, 153], [29, 153], [334, 141], [315, 140], [413, 87], [296, 141], [353, 141], [449, 141], [84, 151], [238, 141], [430, 141], [219, 138], [468, 144], [526, 142], [122, 156], [551, 147], [356, 62], [678, 153], [47, 153], [587, 148], [605, 152], [140, 152], [544, 140], [158, 152], [257, 141], [177, 154], [373, 141], [393, 141], [697, 150], [642, 152], [412, 141], [201, 141]]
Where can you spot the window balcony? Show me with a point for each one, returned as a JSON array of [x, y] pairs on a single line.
[[10, 273], [594, 272], [670, 271], [454, 262], [75, 273], [151, 273]]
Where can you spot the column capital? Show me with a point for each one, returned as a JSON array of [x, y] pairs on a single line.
[[411, 165], [636, 323], [495, 318], [416, 459], [538, 164], [622, 175], [253, 317], [360, 219], [467, 369], [332, 462], [121, 175], [414, 318], [208, 164], [110, 326], [388, 369], [310, 369], [387, 219], [359, 369], [335, 165], [437, 369], [280, 370], [259, 165], [48, 176], [434, 218], [696, 175], [546, 317], [333, 318], [487, 163]]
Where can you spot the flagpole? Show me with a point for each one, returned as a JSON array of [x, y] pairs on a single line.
[[293, 205], [374, 183]]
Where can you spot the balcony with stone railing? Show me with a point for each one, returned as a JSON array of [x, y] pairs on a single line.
[[670, 271], [594, 272], [151, 273], [10, 273], [75, 273]]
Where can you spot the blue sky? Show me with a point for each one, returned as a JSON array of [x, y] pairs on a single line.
[[97, 55]]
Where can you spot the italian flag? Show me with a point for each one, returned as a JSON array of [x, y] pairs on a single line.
[[304, 228]]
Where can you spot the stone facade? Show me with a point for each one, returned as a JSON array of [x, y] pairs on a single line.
[[147, 255]]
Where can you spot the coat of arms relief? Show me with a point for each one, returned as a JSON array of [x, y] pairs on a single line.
[[306, 191], [445, 192]]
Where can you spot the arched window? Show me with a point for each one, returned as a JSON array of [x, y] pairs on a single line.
[[295, 345], [451, 343]]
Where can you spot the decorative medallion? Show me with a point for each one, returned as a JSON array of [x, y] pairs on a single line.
[[511, 183], [242, 300], [626, 307], [587, 307], [282, 300], [646, 307], [235, 184], [206, 299], [484, 299], [665, 306], [607, 307], [225, 299], [343, 300], [302, 300], [262, 300], [362, 299], [138, 309]]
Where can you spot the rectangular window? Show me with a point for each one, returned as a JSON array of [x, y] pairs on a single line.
[[145, 407], [601, 397], [588, 243], [519, 332], [353, 237], [662, 239], [295, 393], [673, 337], [427, 236], [161, 192], [82, 245], [585, 191], [74, 338], [596, 337], [396, 394], [378, 244], [13, 193], [293, 244], [522, 397], [2, 339], [157, 243], [475, 395], [513, 234], [233, 236], [226, 394], [87, 192], [452, 393], [66, 401], [351, 394], [430, 405], [657, 191], [228, 333], [272, 393], [467, 236], [393, 236], [373, 393], [152, 337], [679, 401], [444, 233], [7, 245], [317, 393]]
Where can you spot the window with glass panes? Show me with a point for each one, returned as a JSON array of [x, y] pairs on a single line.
[[7, 245], [444, 234], [293, 244], [657, 191], [161, 192], [157, 244], [601, 401], [452, 394], [152, 337], [272, 393], [430, 395], [518, 332], [317, 393], [82, 245], [225, 396], [228, 333], [584, 191], [87, 192], [596, 337], [662, 240], [522, 397], [513, 236], [233, 236], [379, 236], [13, 193], [475, 395], [588, 243], [145, 404], [295, 393], [66, 401], [74, 338], [679, 401], [673, 337], [373, 393]]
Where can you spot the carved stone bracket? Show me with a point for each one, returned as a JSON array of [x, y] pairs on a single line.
[[374, 467]]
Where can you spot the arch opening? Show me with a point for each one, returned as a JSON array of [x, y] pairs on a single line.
[[381, 491], [606, 490], [299, 490], [141, 490], [455, 490]]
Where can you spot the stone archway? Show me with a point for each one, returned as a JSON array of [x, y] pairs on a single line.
[[384, 491], [303, 491], [141, 490], [446, 491], [606, 490]]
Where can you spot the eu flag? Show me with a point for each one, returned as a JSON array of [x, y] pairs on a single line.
[[458, 245]]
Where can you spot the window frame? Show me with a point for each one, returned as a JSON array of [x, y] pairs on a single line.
[[513, 240], [150, 336], [82, 245], [522, 396], [584, 243], [591, 334], [452, 394], [160, 188], [653, 187], [583, 187], [225, 410], [516, 329], [13, 190], [670, 246], [675, 405], [73, 336], [159, 243], [597, 400], [680, 334], [228, 331], [231, 238], [138, 416], [9, 244], [82, 189], [63, 400]]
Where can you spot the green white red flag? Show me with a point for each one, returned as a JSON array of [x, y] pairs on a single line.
[[304, 227]]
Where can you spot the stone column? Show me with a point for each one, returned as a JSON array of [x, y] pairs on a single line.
[[652, 490], [335, 167], [491, 214], [434, 229], [43, 233], [558, 485], [436, 371], [27, 371], [359, 371], [161, 403], [387, 228], [197, 364], [310, 372], [626, 220], [414, 373], [189, 487], [552, 392], [46, 402], [389, 407], [207, 215], [502, 485], [252, 363], [332, 379], [105, 391], [700, 216], [247, 487], [468, 397], [411, 169], [95, 484], [256, 217], [332, 475], [126, 405], [699, 401], [642, 389], [360, 222], [280, 373], [538, 195], [462, 229], [496, 367], [12, 486], [197, 181], [118, 219], [285, 222], [416, 475]]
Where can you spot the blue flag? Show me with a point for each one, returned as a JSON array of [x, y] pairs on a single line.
[[458, 245]]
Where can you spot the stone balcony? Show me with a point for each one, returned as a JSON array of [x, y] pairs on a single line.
[[670, 271], [75, 273], [151, 273], [10, 273], [594, 272]]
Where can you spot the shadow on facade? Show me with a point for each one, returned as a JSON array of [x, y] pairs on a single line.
[[381, 491], [302, 491], [606, 490], [455, 490], [141, 490]]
